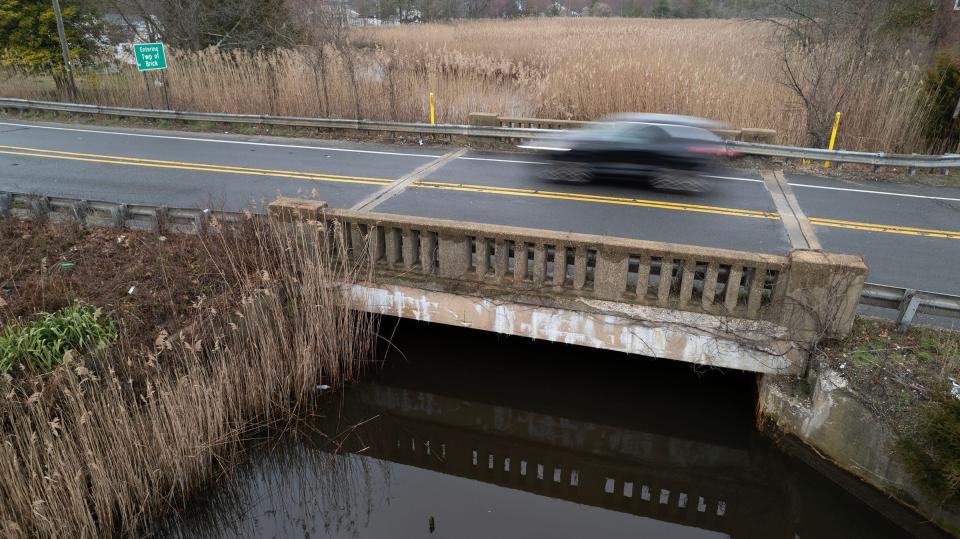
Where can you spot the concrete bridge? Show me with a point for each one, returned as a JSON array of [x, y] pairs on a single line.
[[724, 308]]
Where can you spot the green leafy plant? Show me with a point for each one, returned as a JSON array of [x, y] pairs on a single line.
[[43, 343]]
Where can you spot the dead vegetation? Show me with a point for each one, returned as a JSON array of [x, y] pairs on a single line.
[[894, 373], [550, 68], [109, 442]]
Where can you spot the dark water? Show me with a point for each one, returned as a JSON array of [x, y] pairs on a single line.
[[475, 436]]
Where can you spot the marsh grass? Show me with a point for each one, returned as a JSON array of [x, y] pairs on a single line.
[[112, 441], [548, 68]]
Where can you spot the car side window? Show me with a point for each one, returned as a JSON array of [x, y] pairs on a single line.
[[642, 134]]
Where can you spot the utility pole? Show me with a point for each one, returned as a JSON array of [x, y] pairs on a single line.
[[71, 88]]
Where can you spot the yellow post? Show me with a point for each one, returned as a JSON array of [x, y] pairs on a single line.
[[433, 117], [833, 137]]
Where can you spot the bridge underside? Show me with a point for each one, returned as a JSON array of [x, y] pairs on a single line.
[[697, 338]]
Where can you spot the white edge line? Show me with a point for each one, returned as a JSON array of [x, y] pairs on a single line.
[[908, 195], [504, 160], [752, 180], [221, 141]]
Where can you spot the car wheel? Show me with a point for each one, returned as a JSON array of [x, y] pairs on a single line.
[[680, 181], [569, 173]]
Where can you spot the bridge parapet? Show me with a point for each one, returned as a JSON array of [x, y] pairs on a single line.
[[811, 294]]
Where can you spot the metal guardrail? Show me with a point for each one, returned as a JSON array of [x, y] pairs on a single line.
[[290, 121], [877, 159], [907, 302]]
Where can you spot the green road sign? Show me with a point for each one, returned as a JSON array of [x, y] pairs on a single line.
[[149, 56]]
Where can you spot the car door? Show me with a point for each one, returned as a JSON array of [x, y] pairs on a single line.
[[636, 151]]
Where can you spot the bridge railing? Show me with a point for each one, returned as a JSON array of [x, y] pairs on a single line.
[[491, 126], [497, 261], [714, 281]]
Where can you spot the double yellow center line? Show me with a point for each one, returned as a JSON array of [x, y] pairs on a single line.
[[156, 163], [470, 188]]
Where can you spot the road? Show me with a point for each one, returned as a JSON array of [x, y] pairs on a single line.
[[908, 234]]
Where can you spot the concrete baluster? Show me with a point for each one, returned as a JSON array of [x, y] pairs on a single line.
[[483, 258], [454, 254], [410, 248], [756, 292], [392, 237], [358, 240], [520, 262], [560, 265], [428, 246], [643, 276], [374, 243], [710, 286], [686, 281], [666, 281], [539, 264], [733, 289], [501, 258], [579, 268], [610, 275]]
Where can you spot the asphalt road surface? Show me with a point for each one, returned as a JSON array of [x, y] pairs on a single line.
[[908, 234]]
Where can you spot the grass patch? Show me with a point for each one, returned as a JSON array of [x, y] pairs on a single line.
[[45, 342], [933, 452]]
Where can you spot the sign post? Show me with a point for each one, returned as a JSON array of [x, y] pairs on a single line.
[[152, 57]]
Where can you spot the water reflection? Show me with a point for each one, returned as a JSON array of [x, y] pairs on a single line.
[[546, 441]]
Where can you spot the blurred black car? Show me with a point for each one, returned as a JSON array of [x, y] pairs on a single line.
[[670, 152]]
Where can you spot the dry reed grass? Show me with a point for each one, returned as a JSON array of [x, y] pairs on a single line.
[[105, 446], [548, 68]]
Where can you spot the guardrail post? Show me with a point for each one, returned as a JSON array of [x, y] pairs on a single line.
[[201, 220], [40, 206], [908, 309], [161, 216], [118, 215], [5, 205]]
